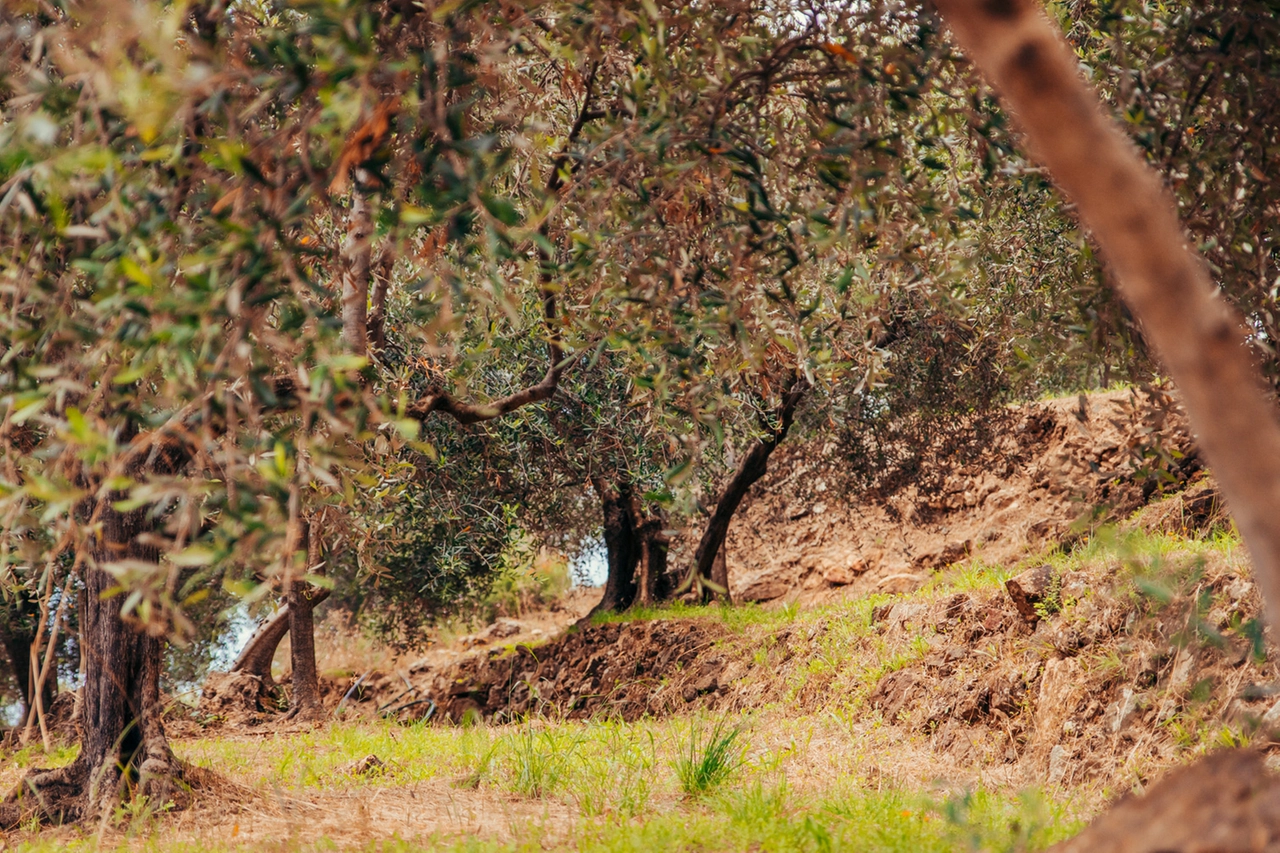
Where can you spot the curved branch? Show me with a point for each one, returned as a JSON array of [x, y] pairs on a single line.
[[754, 466]]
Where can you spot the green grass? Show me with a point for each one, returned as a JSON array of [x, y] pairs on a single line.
[[765, 815], [735, 617], [710, 757]]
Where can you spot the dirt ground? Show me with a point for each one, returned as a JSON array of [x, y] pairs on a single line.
[[1049, 465]]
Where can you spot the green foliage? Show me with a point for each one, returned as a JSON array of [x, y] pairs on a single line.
[[539, 760], [710, 757]]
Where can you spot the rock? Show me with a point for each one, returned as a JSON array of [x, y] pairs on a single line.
[[1058, 763], [993, 620], [1057, 699], [838, 574], [1122, 710], [904, 614], [370, 765], [895, 692], [1032, 587], [763, 587], [1238, 590], [704, 685], [504, 628], [1270, 721]]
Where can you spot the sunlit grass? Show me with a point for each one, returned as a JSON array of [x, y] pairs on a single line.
[[764, 814]]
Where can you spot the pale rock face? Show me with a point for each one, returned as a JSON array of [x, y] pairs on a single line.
[[1059, 761]]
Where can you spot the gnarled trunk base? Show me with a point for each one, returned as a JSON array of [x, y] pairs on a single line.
[[123, 748]]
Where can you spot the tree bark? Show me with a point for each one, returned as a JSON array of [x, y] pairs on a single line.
[[1200, 340], [355, 255], [302, 599], [16, 635], [258, 654], [622, 544], [377, 327], [654, 547], [123, 744], [719, 586], [753, 466]]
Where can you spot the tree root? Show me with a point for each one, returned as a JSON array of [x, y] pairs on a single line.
[[70, 795]]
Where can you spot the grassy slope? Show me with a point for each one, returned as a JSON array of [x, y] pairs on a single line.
[[800, 775]]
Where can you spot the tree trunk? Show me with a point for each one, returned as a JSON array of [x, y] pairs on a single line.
[[356, 254], [381, 281], [719, 579], [302, 599], [123, 744], [753, 466], [16, 635], [258, 654], [654, 546], [622, 545]]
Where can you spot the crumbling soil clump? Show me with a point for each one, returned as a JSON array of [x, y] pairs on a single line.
[[627, 670], [232, 698]]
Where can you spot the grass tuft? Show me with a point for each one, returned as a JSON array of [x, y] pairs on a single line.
[[708, 759]]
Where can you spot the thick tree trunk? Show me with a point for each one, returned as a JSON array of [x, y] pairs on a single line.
[[17, 635], [123, 744], [622, 544], [753, 466], [302, 599], [654, 547]]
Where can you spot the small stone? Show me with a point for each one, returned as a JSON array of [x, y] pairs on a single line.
[[370, 765], [956, 604], [1038, 586], [842, 574], [903, 614], [1058, 758], [1180, 675], [1122, 710], [1271, 719]]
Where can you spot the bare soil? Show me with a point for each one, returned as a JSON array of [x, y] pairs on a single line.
[[1051, 470]]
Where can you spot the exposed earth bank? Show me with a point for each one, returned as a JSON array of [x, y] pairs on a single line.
[[1036, 475]]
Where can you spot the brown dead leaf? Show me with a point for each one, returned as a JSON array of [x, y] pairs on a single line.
[[362, 144]]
